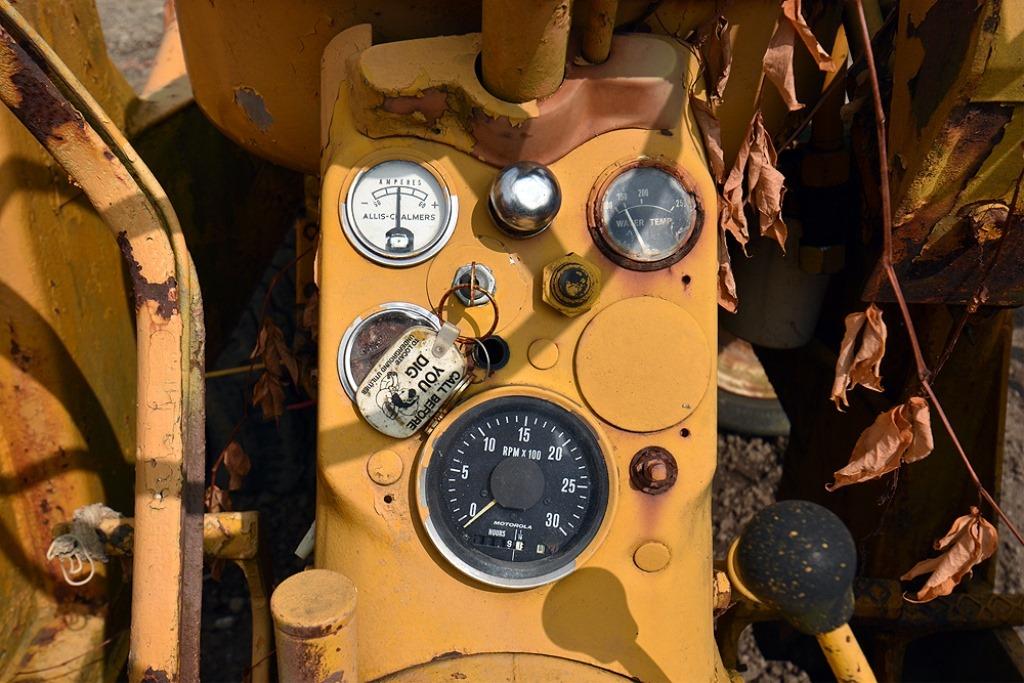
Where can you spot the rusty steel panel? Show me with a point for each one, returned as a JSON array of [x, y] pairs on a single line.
[[956, 122]]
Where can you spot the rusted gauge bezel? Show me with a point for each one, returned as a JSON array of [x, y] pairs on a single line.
[[598, 228]]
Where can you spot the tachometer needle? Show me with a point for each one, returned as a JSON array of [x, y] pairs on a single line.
[[477, 516]]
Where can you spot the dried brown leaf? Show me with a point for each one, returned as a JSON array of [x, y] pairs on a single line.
[[237, 463], [902, 434], [716, 50], [711, 132], [860, 354], [778, 63], [765, 183], [732, 217], [727, 298], [217, 499], [274, 352], [970, 541], [268, 395], [792, 11], [311, 314]]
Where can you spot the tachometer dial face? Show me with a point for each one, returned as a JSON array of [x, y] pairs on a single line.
[[515, 489], [398, 212], [645, 216]]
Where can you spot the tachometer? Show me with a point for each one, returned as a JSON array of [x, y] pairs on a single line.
[[514, 490], [644, 216], [398, 212]]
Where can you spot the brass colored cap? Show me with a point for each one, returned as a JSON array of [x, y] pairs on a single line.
[[571, 285], [313, 604]]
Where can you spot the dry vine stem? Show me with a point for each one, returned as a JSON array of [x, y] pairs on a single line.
[[923, 374]]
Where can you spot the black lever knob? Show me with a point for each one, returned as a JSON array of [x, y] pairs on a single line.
[[799, 559]]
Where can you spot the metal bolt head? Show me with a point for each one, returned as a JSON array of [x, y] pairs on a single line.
[[571, 285], [524, 199], [657, 472], [653, 470]]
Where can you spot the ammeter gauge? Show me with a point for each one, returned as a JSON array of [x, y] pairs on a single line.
[[398, 212], [373, 333], [514, 490], [643, 215]]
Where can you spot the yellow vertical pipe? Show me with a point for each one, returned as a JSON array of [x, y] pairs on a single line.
[[524, 47], [315, 628], [844, 655], [597, 30]]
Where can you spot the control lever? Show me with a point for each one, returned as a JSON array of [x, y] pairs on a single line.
[[799, 559]]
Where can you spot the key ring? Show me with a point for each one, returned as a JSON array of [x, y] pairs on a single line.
[[471, 286]]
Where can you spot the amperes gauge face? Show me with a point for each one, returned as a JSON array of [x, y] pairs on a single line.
[[514, 490], [398, 212]]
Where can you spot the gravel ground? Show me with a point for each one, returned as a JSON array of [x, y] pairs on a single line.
[[749, 468]]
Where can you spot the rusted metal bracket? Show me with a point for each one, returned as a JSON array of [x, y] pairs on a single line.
[[956, 121], [233, 536], [167, 572]]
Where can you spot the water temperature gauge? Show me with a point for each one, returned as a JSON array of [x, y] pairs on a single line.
[[398, 212], [643, 215], [514, 490]]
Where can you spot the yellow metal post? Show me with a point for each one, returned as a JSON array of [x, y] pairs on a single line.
[[597, 31], [54, 106], [524, 44], [315, 628]]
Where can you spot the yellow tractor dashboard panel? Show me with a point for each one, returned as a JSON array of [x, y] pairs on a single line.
[[582, 289]]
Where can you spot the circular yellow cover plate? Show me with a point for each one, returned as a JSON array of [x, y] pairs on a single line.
[[643, 364]]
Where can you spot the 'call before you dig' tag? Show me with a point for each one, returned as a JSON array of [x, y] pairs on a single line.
[[409, 384]]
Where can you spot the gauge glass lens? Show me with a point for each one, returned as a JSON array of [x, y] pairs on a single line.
[[516, 489], [398, 209], [369, 338], [648, 214]]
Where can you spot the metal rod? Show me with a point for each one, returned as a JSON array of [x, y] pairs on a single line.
[[524, 47], [597, 30]]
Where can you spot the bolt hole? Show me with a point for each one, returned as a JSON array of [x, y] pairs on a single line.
[[686, 281], [497, 353], [684, 432], [389, 499]]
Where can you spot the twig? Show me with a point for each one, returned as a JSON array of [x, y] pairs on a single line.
[[227, 372], [923, 374], [836, 82], [69, 660], [215, 468], [980, 295]]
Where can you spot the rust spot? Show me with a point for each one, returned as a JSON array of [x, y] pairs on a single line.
[[42, 109], [447, 655], [165, 294], [20, 357], [948, 271], [155, 676], [255, 109], [459, 676], [336, 677], [45, 636], [431, 104]]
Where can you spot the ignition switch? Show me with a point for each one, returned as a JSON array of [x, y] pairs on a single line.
[[482, 280]]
